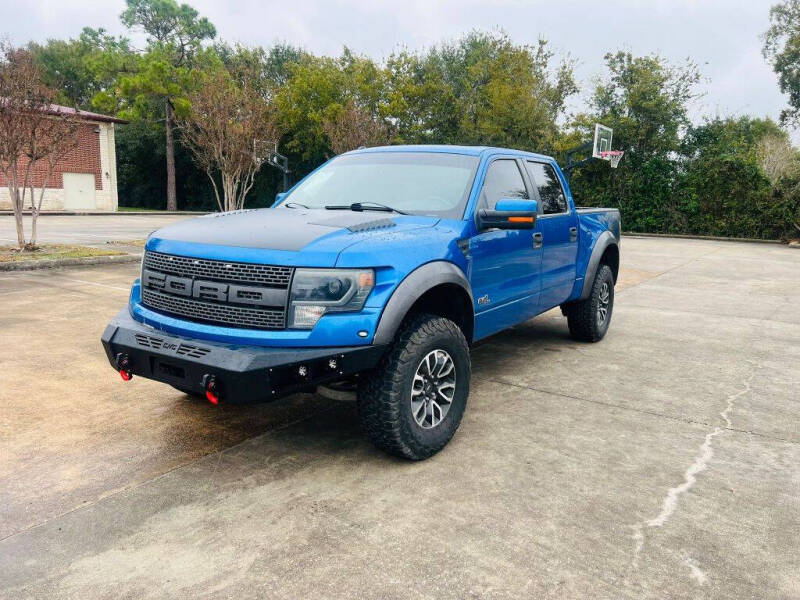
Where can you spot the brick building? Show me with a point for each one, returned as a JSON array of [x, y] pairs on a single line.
[[85, 179]]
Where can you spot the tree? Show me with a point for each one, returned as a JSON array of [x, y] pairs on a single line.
[[34, 136], [317, 90], [782, 50], [81, 69], [777, 158], [175, 34], [481, 89], [231, 131], [645, 100], [353, 127]]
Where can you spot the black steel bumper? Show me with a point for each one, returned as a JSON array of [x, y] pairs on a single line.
[[241, 373]]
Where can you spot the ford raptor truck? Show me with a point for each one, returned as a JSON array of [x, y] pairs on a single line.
[[379, 270]]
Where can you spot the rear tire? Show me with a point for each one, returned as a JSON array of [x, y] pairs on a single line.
[[589, 319], [411, 404]]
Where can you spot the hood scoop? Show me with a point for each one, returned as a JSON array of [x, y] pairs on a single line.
[[371, 225]]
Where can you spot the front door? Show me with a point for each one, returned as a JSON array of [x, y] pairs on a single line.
[[505, 264], [559, 228]]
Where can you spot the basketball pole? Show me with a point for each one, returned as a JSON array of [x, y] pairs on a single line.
[[572, 163]]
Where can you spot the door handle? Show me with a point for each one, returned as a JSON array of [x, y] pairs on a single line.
[[537, 240], [573, 234]]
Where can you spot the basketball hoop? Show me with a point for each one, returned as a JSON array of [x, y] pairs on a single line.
[[613, 157]]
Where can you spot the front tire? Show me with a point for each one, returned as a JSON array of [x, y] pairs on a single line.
[[589, 319], [411, 404]]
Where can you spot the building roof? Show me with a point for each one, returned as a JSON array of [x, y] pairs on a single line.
[[83, 114]]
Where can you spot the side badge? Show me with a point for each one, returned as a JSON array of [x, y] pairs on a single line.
[[484, 300]]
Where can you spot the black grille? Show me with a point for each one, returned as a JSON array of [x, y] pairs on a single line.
[[193, 351], [183, 349], [211, 312], [218, 312], [218, 269], [148, 341]]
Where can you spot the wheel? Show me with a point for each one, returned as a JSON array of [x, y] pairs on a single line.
[[589, 319], [411, 404]]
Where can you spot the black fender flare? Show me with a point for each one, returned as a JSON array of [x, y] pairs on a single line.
[[604, 240], [411, 289]]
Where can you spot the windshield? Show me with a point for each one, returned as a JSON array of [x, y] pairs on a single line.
[[423, 183]]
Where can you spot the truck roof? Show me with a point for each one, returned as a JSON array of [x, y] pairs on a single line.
[[449, 149]]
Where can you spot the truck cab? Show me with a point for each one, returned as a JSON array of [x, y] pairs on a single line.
[[376, 273]]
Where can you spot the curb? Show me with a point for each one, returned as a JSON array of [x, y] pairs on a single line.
[[33, 265], [683, 236]]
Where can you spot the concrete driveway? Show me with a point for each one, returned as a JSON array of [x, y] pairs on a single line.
[[663, 462], [89, 230]]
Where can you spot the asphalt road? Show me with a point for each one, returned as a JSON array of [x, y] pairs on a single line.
[[88, 230], [663, 462]]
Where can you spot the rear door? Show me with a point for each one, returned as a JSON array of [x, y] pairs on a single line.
[[558, 225], [505, 264]]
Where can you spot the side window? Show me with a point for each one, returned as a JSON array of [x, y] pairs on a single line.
[[503, 180], [551, 195]]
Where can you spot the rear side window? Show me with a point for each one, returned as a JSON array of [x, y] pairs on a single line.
[[503, 180], [551, 194]]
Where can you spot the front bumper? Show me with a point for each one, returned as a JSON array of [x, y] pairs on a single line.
[[242, 373]]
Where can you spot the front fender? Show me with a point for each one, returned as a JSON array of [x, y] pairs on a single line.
[[411, 289]]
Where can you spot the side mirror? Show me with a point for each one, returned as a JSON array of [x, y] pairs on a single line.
[[278, 197], [509, 213]]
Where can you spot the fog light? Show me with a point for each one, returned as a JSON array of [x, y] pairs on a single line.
[[302, 371], [307, 315], [332, 364]]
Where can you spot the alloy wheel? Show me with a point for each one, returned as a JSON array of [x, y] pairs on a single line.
[[604, 299], [433, 389]]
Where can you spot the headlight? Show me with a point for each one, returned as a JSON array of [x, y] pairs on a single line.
[[319, 291]]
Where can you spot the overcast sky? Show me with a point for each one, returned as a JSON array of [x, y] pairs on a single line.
[[722, 36]]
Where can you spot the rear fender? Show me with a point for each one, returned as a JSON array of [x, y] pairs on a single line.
[[605, 240]]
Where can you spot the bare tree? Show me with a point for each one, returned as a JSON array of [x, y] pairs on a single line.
[[34, 136], [353, 127], [777, 157], [231, 131]]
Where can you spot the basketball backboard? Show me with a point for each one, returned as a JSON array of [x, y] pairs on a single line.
[[602, 140]]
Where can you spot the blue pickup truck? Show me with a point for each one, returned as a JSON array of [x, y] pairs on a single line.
[[377, 273]]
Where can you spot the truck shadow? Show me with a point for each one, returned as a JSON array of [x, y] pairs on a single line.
[[535, 340], [199, 428]]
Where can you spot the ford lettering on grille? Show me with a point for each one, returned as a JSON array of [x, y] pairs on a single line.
[[232, 294]]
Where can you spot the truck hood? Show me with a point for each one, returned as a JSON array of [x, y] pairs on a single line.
[[292, 237]]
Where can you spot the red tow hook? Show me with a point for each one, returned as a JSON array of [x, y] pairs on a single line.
[[212, 391], [123, 365]]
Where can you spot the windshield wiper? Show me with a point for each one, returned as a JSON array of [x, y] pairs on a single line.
[[360, 206], [294, 205]]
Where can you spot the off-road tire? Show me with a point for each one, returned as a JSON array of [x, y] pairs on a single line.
[[384, 394], [583, 316]]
